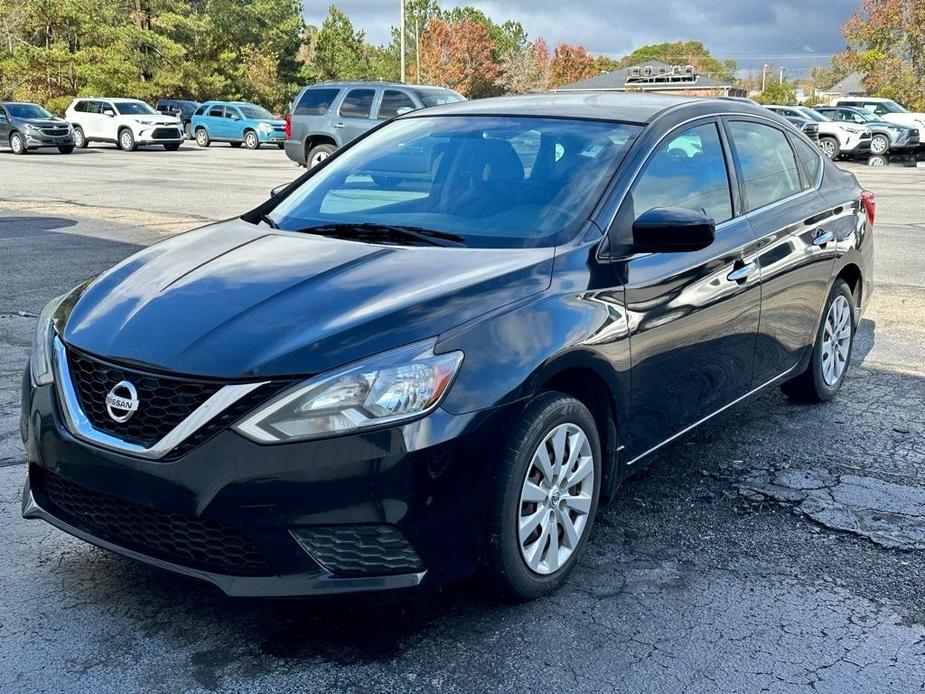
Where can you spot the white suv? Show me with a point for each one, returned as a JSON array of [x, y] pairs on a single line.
[[886, 109], [126, 122], [835, 137]]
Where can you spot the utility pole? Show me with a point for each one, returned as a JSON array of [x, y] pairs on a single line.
[[417, 50], [781, 75], [402, 42], [764, 76]]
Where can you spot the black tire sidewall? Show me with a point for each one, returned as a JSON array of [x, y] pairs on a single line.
[[823, 389], [504, 562], [327, 149]]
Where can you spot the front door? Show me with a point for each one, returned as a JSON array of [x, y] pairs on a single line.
[[215, 122], [796, 232], [355, 114], [693, 317]]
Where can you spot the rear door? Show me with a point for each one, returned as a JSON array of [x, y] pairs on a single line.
[[693, 317], [796, 233], [92, 120], [215, 122], [355, 115]]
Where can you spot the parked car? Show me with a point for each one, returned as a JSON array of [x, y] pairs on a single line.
[[886, 109], [128, 123], [808, 127], [437, 352], [237, 123], [835, 138], [180, 108], [25, 126], [326, 116], [885, 136]]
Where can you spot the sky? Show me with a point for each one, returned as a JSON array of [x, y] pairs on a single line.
[[795, 34]]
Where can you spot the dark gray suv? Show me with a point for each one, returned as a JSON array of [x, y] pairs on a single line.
[[326, 116]]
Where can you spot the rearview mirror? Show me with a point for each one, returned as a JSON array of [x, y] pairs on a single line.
[[672, 230]]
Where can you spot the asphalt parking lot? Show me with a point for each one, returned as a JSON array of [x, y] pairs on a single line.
[[781, 549]]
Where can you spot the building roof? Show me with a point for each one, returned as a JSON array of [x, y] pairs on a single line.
[[627, 107], [617, 79], [849, 85]]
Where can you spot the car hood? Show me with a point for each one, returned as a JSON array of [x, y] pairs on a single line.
[[910, 120], [43, 122], [237, 301]]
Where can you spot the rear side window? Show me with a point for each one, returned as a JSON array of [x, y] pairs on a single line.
[[810, 157], [394, 103], [81, 107], [687, 171], [358, 103], [216, 111], [769, 167], [315, 102]]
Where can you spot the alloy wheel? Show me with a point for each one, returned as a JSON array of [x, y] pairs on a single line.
[[318, 158], [836, 340], [556, 499], [828, 147], [17, 144], [250, 141], [879, 144]]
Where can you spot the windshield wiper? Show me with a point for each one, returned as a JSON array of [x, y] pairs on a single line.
[[386, 231], [265, 218]]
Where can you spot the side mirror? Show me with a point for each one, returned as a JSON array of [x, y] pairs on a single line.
[[672, 230], [109, 112], [278, 189]]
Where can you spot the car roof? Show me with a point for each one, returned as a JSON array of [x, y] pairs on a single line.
[[117, 99], [872, 99], [375, 83], [590, 104]]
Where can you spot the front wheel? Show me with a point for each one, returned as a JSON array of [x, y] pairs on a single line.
[[830, 147], [186, 131], [879, 144], [251, 141], [545, 498], [18, 143], [127, 140], [831, 352], [80, 140]]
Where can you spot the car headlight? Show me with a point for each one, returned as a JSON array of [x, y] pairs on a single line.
[[29, 128], [265, 128], [40, 363], [144, 121], [388, 388]]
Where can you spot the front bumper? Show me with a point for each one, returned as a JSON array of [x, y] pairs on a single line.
[[159, 135], [426, 482], [275, 138], [36, 141]]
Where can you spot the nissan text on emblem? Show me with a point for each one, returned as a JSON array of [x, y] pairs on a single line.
[[122, 401]]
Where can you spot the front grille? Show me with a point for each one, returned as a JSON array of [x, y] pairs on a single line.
[[173, 537], [163, 402], [165, 134], [360, 550], [54, 132]]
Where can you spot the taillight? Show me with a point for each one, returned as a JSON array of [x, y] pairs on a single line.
[[870, 205], [288, 127]]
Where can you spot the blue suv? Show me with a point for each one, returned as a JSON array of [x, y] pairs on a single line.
[[237, 123]]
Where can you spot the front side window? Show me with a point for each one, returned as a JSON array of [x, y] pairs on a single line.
[[502, 182], [688, 171], [438, 97], [231, 112], [769, 168], [358, 103], [200, 110], [394, 103], [94, 106], [134, 108], [315, 102]]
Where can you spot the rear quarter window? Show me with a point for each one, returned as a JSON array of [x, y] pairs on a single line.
[[315, 102]]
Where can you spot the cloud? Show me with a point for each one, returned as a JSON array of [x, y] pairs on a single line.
[[750, 31]]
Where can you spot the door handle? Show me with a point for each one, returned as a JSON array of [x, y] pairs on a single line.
[[823, 236], [740, 274], [337, 125]]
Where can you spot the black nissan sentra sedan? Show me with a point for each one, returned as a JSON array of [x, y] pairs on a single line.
[[437, 352]]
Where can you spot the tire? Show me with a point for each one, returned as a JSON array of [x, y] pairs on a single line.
[[542, 563], [187, 135], [202, 137], [66, 149], [831, 358], [830, 146], [235, 144], [879, 144], [251, 141], [18, 143], [318, 154], [127, 140], [172, 147], [79, 140]]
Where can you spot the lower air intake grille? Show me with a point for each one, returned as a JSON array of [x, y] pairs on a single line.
[[360, 550], [170, 536]]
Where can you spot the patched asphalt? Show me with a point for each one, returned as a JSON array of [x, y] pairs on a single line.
[[780, 549]]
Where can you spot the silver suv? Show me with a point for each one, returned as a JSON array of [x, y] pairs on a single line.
[[326, 116]]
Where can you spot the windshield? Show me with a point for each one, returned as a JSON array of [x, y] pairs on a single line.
[[134, 108], [813, 115], [438, 97], [255, 112], [861, 116], [509, 182], [887, 106], [27, 111]]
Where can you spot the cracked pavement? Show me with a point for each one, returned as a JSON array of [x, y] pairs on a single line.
[[779, 549]]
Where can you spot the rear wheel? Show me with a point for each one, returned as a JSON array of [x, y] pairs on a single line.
[[127, 140], [545, 498], [251, 141], [832, 350], [319, 153], [879, 144], [829, 146], [186, 131], [80, 141], [202, 138], [18, 143], [66, 149]]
